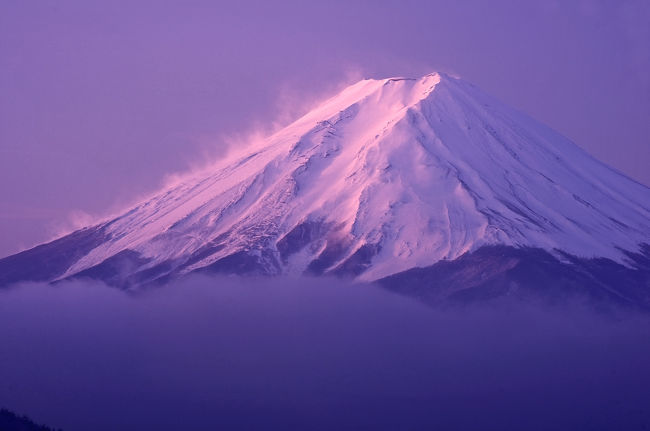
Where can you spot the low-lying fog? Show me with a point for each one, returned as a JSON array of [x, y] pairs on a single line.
[[233, 354]]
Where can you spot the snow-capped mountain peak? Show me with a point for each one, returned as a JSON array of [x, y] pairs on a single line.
[[387, 175]]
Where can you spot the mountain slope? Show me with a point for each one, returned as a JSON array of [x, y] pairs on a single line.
[[497, 272], [386, 176], [10, 421]]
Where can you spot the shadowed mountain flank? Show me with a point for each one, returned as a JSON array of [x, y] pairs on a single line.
[[498, 272]]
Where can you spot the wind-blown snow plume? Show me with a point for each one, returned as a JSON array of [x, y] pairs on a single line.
[[388, 175]]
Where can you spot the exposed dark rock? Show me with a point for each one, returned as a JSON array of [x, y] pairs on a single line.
[[494, 272], [117, 270], [298, 238], [49, 261], [333, 251], [150, 275], [359, 261], [641, 259], [489, 273], [203, 252], [244, 263]]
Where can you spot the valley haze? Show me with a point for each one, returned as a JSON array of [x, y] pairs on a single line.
[[207, 353]]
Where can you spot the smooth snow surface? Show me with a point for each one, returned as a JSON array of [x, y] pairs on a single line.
[[415, 170]]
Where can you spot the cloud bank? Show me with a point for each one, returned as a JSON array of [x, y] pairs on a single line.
[[231, 353]]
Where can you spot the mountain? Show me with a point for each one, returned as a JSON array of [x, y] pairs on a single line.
[[10, 421], [388, 176]]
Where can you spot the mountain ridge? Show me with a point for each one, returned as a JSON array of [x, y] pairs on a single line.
[[386, 176]]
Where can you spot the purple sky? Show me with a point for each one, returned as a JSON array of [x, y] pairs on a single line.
[[98, 103]]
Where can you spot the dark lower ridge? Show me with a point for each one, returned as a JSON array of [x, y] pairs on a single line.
[[299, 237], [49, 261], [10, 421], [499, 272], [120, 270], [244, 263], [640, 259], [333, 251], [151, 275], [207, 250], [489, 273], [358, 262]]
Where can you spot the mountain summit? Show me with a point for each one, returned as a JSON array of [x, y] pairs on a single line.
[[386, 176]]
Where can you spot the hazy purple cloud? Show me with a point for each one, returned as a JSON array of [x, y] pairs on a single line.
[[229, 353], [101, 101]]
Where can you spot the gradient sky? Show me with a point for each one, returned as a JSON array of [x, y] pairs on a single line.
[[99, 102]]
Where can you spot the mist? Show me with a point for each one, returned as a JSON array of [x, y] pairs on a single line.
[[232, 353]]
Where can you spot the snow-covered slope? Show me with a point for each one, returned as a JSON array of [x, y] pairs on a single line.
[[388, 175]]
